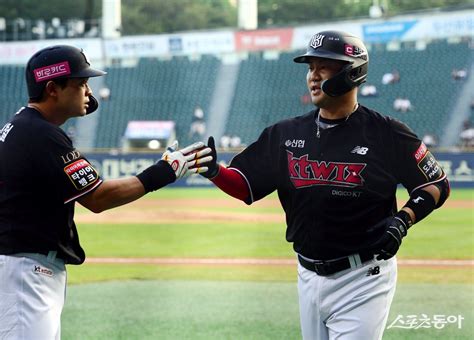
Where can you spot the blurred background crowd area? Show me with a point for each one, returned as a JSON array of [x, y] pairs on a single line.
[[188, 69]]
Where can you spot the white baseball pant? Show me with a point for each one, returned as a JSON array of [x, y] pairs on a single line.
[[32, 295], [350, 305]]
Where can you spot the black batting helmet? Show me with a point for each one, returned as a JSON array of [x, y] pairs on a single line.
[[338, 45], [54, 62]]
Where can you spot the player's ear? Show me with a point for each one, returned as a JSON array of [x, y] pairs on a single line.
[[51, 89]]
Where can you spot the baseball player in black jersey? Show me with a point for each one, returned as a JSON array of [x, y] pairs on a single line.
[[336, 171], [42, 175]]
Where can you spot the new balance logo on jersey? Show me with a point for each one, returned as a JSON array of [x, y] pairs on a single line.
[[418, 199], [360, 150], [305, 172], [373, 271]]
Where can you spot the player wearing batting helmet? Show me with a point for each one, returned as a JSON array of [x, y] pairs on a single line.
[[42, 175], [336, 170]]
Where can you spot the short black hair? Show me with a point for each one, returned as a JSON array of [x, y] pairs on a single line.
[[61, 82]]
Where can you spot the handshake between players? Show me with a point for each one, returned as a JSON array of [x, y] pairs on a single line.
[[189, 160]]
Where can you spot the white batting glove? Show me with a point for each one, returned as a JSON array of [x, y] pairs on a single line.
[[189, 157], [197, 154], [175, 159]]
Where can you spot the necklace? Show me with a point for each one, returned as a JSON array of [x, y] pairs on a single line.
[[318, 133]]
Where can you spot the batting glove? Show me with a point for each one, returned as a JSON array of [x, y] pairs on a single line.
[[213, 167], [175, 159], [396, 228], [187, 160], [197, 155]]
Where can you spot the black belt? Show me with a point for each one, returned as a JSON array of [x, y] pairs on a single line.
[[328, 267]]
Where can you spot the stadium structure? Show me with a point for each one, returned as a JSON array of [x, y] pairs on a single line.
[[245, 80]]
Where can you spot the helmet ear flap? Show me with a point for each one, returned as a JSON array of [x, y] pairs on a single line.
[[339, 84], [345, 80], [92, 105], [358, 75]]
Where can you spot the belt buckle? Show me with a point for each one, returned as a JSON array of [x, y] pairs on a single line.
[[320, 267]]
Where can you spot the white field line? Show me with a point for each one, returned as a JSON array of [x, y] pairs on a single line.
[[253, 261]]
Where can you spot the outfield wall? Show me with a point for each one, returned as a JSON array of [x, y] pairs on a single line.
[[458, 166]]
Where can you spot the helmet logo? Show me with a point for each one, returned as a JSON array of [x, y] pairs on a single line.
[[316, 41], [52, 71], [354, 51]]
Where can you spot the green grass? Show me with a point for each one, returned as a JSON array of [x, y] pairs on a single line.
[[118, 301], [186, 240], [93, 272], [235, 310], [106, 272], [446, 233]]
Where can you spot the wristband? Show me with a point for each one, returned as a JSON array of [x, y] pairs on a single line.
[[403, 216], [157, 176], [422, 204]]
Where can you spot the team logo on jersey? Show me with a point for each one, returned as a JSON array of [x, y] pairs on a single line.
[[360, 150], [316, 41], [427, 163], [81, 174], [305, 172]]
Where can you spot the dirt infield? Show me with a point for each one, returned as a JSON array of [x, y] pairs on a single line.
[[199, 210]]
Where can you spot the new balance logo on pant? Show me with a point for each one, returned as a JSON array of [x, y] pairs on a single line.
[[373, 271]]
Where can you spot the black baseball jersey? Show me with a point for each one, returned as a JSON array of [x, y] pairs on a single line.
[[335, 188], [41, 176]]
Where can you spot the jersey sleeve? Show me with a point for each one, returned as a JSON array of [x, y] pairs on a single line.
[[74, 175], [258, 165], [415, 165]]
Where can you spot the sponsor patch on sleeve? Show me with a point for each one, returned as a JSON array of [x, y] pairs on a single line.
[[427, 163], [81, 174]]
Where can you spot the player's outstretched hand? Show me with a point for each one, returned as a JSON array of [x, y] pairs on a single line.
[[197, 156], [212, 166], [187, 160], [396, 228], [175, 159], [180, 162]]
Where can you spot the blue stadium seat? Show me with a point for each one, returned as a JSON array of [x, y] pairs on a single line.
[[156, 90], [270, 90]]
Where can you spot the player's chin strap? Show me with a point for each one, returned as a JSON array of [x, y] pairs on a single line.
[[92, 105], [422, 202]]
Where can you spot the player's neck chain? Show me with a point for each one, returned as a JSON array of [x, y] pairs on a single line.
[[318, 132]]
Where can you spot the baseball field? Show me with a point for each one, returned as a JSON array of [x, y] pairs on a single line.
[[197, 264]]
